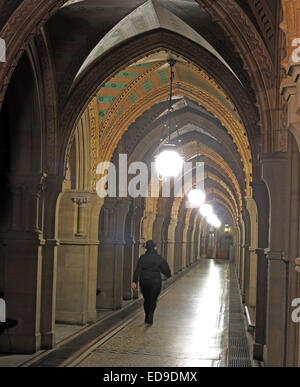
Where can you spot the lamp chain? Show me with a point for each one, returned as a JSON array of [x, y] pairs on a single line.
[[172, 64]]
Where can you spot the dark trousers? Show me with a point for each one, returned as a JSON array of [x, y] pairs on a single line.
[[150, 292]]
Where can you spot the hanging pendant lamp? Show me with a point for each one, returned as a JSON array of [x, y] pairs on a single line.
[[168, 162]]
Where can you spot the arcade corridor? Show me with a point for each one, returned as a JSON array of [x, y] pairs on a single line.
[[191, 329], [124, 122]]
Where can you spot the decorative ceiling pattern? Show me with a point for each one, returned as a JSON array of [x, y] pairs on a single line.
[[135, 89]]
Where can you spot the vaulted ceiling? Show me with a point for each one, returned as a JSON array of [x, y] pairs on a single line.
[[128, 111]]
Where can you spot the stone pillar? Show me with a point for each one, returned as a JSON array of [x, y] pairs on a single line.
[[111, 253], [21, 262], [138, 212], [205, 240], [261, 305], [242, 258], [178, 248], [171, 244], [189, 246], [184, 246], [81, 203], [215, 244], [53, 188], [246, 283], [157, 232], [252, 283], [274, 170], [77, 257], [252, 266], [291, 92], [237, 257], [197, 241], [48, 307], [193, 245], [128, 269]]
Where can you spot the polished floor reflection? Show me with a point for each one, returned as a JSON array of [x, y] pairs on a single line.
[[190, 326]]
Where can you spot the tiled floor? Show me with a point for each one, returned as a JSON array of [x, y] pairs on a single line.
[[62, 332], [190, 326]]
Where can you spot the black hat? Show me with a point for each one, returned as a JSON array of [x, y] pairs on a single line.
[[150, 245]]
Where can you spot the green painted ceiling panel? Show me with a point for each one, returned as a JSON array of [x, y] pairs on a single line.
[[147, 86], [133, 98], [124, 74], [106, 98], [163, 76], [120, 112], [142, 65], [115, 85]]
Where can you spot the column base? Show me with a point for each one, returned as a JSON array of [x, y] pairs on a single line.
[[258, 352], [20, 344], [48, 340]]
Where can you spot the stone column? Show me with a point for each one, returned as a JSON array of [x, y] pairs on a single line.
[[184, 246], [171, 244], [193, 245], [77, 257], [111, 253], [261, 305], [178, 248], [53, 187], [197, 241], [189, 246], [246, 283], [128, 269], [215, 244], [242, 258], [274, 170], [157, 232], [252, 267], [138, 212], [252, 283], [291, 92], [81, 203], [205, 240], [21, 262], [236, 246]]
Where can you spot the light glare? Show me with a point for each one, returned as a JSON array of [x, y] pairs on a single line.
[[213, 220], [206, 210], [196, 197], [169, 164]]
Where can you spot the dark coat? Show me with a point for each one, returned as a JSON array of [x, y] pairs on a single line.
[[149, 267]]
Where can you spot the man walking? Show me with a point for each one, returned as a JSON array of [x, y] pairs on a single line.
[[147, 271]]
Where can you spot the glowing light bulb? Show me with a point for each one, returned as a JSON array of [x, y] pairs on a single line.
[[169, 163], [206, 210], [196, 197], [213, 220]]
